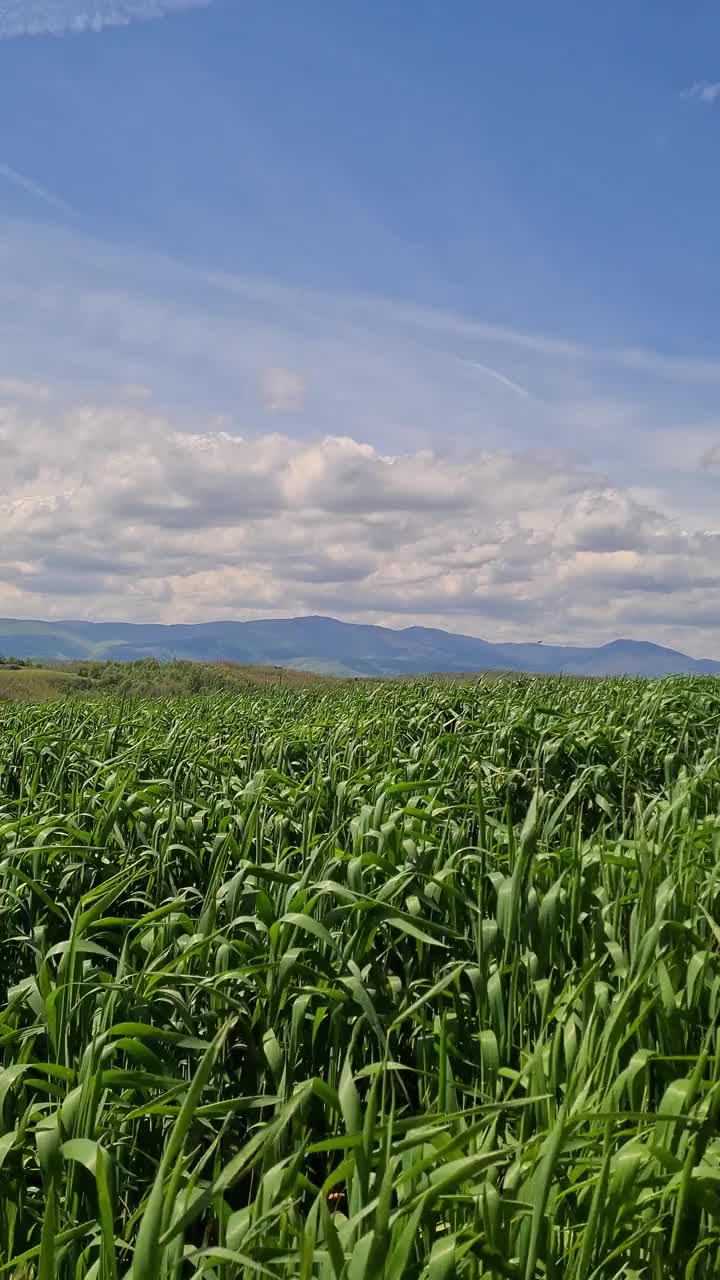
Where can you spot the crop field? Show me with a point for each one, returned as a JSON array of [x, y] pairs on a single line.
[[379, 981]]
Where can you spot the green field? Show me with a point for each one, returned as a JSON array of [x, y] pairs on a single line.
[[403, 981]]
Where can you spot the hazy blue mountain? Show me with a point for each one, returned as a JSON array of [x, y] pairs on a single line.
[[324, 644], [620, 657]]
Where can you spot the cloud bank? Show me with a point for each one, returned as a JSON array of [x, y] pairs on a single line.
[[57, 17], [115, 512], [391, 467]]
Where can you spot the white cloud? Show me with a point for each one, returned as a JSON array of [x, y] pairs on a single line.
[[281, 390], [428, 499], [116, 512], [56, 17], [704, 90]]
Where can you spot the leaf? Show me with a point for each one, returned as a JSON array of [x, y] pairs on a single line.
[[412, 930], [147, 1254], [309, 924]]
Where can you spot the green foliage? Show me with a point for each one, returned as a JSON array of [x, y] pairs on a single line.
[[150, 678], [403, 981]]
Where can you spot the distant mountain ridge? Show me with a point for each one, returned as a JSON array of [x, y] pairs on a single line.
[[342, 648]]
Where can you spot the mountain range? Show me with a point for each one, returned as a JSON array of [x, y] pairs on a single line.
[[338, 648]]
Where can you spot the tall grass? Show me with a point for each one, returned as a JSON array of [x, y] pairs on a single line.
[[385, 981]]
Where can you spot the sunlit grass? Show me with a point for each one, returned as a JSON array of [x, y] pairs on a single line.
[[381, 981], [36, 684]]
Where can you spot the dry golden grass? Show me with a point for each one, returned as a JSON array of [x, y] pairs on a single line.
[[148, 679], [36, 684]]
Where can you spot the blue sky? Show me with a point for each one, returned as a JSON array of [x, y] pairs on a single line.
[[426, 241]]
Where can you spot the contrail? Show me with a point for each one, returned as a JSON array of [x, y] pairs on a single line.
[[34, 189], [499, 377], [57, 17]]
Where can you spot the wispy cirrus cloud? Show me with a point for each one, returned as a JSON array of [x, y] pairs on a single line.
[[498, 376], [58, 17], [34, 189], [704, 90]]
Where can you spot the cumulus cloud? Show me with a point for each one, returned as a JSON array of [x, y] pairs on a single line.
[[281, 390], [56, 17], [115, 512]]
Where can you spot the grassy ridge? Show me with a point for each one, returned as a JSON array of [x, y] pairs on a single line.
[[36, 684], [393, 980], [146, 678]]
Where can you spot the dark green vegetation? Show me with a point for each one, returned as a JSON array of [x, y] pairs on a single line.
[[384, 981], [334, 648]]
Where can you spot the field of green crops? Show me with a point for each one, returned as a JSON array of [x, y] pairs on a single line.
[[385, 981]]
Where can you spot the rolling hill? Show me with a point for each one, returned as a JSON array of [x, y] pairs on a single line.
[[338, 648]]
